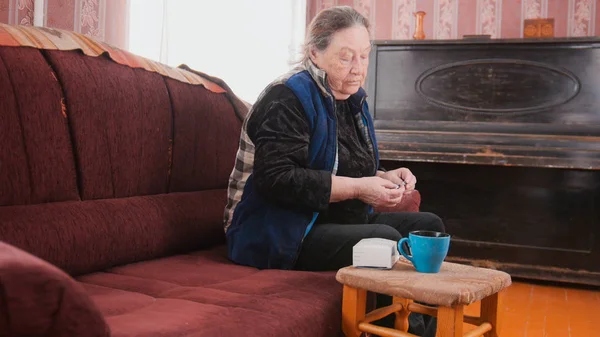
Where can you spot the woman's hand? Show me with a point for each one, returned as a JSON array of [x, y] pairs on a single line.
[[401, 176], [379, 192]]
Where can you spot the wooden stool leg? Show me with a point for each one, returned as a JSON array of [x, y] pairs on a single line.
[[354, 305], [489, 313], [450, 321], [401, 322]]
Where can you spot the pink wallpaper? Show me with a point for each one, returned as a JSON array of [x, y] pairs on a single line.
[[451, 19], [391, 19], [105, 20], [16, 11]]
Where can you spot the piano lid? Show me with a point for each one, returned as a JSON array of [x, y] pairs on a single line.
[[498, 102]]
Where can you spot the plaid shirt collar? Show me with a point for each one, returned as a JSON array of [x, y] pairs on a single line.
[[319, 75]]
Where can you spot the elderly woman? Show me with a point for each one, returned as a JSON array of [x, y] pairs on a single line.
[[307, 174]]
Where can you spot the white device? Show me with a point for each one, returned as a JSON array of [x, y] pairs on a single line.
[[375, 253]]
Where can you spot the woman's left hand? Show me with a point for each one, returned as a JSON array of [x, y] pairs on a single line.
[[401, 176]]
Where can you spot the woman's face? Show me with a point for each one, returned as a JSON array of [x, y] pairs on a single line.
[[345, 60]]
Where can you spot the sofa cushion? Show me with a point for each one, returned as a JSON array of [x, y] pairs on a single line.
[[36, 161], [38, 299], [203, 294], [85, 236], [137, 133], [121, 124], [207, 132]]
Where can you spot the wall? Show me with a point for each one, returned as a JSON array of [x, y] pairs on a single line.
[[105, 20], [451, 19]]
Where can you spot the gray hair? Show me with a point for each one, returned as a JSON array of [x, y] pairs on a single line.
[[329, 22]]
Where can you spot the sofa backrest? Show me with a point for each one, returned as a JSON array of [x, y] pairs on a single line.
[[36, 158], [102, 164]]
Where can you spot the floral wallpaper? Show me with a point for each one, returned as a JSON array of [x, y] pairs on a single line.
[[26, 7], [105, 20], [451, 19], [90, 14], [16, 11]]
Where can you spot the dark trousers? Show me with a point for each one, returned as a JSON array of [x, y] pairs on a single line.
[[328, 247]]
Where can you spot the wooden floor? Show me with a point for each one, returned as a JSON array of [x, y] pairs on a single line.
[[538, 310]]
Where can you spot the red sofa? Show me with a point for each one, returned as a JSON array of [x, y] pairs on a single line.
[[112, 191]]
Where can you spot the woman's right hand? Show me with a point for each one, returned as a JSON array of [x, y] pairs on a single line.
[[379, 192]]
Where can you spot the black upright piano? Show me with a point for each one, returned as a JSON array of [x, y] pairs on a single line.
[[504, 138]]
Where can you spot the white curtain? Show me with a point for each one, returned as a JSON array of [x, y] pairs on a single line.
[[246, 43]]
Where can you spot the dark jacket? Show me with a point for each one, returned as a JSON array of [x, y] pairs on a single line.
[[264, 234]]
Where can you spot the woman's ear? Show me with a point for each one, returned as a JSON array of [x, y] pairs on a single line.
[[312, 53]]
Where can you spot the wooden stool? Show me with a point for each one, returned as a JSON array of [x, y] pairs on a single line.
[[455, 286]]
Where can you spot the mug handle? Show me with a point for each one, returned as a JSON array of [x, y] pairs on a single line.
[[401, 249]]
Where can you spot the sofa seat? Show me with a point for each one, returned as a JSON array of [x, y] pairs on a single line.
[[204, 294]]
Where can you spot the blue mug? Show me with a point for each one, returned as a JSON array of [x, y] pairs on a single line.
[[428, 248]]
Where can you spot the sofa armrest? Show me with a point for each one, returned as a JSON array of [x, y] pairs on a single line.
[[38, 299], [411, 202]]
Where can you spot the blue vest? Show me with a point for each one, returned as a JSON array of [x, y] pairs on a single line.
[[266, 236]]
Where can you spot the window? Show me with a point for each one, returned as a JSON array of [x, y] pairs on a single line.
[[246, 43]]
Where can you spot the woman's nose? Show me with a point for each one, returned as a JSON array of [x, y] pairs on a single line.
[[356, 66]]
